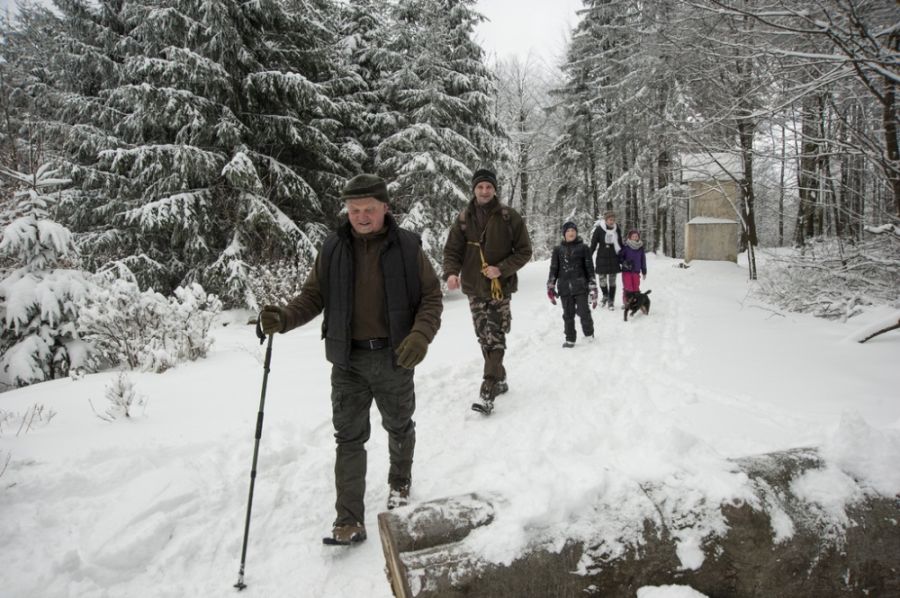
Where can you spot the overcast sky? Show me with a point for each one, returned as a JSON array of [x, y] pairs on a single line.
[[519, 26]]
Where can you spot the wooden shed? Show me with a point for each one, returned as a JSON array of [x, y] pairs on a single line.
[[712, 231]]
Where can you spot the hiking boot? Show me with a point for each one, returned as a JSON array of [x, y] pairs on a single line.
[[345, 535], [488, 390], [485, 406], [398, 496]]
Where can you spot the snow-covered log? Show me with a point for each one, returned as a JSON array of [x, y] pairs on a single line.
[[780, 546]]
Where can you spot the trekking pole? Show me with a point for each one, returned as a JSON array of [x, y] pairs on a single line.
[[240, 585]]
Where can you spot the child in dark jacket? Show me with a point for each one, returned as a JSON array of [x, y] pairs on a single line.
[[634, 264], [572, 279]]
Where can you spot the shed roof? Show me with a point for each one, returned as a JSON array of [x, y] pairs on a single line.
[[718, 166]]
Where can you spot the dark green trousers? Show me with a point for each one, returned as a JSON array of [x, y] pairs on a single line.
[[371, 375]]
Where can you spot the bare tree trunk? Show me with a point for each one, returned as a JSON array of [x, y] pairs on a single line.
[[592, 164], [807, 174], [672, 233], [781, 188], [663, 177], [890, 134], [746, 129]]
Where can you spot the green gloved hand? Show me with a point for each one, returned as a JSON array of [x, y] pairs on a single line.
[[271, 319], [412, 350]]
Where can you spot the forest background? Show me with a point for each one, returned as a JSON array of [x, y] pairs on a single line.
[[160, 160]]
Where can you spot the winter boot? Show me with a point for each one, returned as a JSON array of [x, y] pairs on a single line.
[[488, 391], [500, 387], [486, 396], [398, 496], [611, 304], [345, 535], [568, 344], [485, 406], [605, 300]]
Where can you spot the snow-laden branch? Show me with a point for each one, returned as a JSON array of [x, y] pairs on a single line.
[[887, 324]]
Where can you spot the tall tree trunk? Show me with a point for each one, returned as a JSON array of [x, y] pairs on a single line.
[[807, 174], [524, 187], [662, 182], [781, 188], [746, 130], [890, 134], [672, 234], [592, 159]]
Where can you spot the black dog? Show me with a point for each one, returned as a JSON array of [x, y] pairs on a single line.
[[634, 301]]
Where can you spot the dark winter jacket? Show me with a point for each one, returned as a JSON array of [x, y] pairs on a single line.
[[500, 232], [571, 270], [607, 254], [372, 286], [636, 258]]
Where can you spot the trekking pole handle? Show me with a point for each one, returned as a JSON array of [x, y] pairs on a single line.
[[259, 331]]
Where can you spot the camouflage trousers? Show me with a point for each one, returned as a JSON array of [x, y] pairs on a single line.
[[492, 319]]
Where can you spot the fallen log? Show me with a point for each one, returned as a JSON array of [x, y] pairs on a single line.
[[427, 554]]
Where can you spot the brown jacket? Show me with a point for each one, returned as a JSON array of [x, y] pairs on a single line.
[[369, 318], [501, 233]]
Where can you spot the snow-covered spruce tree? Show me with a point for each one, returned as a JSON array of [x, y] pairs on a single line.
[[438, 93], [579, 150], [39, 286], [364, 28], [207, 134]]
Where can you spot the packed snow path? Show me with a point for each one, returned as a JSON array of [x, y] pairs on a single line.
[[154, 506]]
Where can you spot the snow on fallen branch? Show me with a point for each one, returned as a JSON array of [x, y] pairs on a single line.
[[880, 327]]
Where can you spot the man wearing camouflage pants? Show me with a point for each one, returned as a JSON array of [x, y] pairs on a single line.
[[383, 304], [486, 246]]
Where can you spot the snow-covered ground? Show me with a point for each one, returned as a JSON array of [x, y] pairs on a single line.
[[154, 505]]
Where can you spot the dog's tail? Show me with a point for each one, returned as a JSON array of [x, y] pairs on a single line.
[[647, 292]]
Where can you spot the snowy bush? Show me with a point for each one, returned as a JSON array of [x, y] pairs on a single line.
[[278, 282], [143, 329], [39, 291], [834, 280], [122, 398]]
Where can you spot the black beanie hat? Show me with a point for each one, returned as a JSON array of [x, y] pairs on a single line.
[[365, 185], [484, 175], [567, 226]]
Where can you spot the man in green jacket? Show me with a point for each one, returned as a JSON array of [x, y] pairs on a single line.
[[486, 246], [382, 302]]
